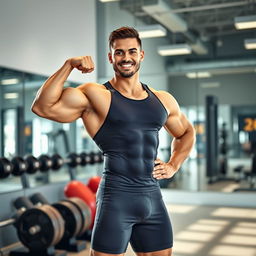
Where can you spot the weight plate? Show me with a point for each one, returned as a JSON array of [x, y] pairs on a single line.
[[55, 222], [84, 211], [59, 221], [45, 225], [72, 218]]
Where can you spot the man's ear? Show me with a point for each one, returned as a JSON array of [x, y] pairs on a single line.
[[110, 57], [142, 55]]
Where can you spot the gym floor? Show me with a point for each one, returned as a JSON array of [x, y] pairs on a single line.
[[210, 231]]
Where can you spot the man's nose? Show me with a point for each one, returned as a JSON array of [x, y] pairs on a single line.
[[127, 56]]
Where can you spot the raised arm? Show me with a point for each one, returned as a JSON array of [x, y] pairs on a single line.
[[63, 104], [183, 139]]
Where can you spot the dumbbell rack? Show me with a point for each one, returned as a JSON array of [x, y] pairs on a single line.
[[19, 166]]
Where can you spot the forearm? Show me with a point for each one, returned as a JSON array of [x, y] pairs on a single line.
[[181, 147], [50, 92]]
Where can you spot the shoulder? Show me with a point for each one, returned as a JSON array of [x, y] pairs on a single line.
[[90, 86], [162, 94], [167, 99]]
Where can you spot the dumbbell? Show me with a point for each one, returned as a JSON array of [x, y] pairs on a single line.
[[17, 166], [93, 183], [55, 162], [29, 165], [77, 220], [38, 228], [5, 168], [43, 163], [91, 158]]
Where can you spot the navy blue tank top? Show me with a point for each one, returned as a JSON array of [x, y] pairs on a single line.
[[129, 140]]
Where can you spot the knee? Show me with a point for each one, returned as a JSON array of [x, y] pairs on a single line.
[[92, 252]]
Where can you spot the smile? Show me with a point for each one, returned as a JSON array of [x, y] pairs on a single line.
[[126, 65]]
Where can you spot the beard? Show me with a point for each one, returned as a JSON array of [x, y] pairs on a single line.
[[126, 74]]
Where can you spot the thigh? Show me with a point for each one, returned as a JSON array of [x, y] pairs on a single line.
[[112, 230], [155, 232]]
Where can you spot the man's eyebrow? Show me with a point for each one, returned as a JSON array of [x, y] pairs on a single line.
[[131, 49]]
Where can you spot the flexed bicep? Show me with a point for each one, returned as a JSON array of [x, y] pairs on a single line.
[[69, 107]]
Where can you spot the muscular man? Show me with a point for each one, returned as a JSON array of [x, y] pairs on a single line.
[[123, 116]]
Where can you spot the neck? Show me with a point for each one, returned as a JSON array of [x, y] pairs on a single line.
[[126, 84]]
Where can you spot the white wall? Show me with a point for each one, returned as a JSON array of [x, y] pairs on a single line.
[[38, 36]]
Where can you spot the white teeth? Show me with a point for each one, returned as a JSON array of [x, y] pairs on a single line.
[[126, 65]]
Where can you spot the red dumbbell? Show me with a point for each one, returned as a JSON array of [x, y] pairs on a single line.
[[93, 183]]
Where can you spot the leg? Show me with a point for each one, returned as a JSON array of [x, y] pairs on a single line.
[[95, 253], [166, 252], [112, 228], [153, 236]]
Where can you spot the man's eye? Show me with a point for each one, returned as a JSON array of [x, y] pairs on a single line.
[[118, 53]]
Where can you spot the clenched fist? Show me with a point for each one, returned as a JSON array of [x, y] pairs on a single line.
[[82, 63]]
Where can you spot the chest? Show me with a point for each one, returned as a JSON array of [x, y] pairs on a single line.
[[147, 112]]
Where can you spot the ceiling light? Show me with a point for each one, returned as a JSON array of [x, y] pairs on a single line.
[[105, 1], [174, 49], [10, 81], [245, 22], [210, 85], [198, 75], [11, 95], [151, 31], [250, 44]]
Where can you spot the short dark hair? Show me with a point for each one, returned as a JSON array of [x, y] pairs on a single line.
[[123, 33]]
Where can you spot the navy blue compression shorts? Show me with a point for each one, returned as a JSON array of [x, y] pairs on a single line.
[[138, 218]]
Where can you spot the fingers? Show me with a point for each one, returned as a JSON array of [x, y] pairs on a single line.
[[158, 161], [162, 170], [83, 63], [159, 169], [87, 65]]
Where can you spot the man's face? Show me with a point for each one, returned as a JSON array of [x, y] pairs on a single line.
[[125, 56]]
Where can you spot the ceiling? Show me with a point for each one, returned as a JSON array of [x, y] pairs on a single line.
[[209, 22]]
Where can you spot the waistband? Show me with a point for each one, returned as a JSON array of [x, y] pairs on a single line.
[[128, 184]]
